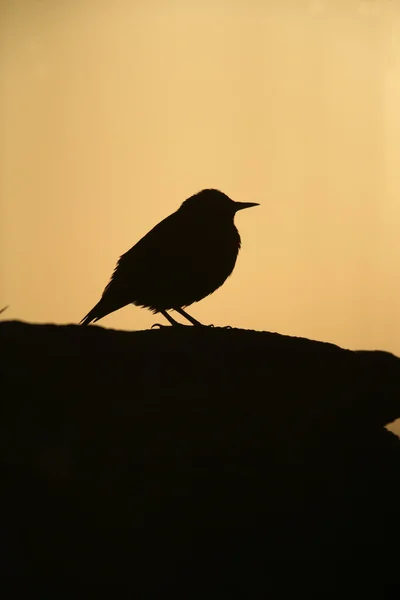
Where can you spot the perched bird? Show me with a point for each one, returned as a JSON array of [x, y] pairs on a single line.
[[183, 259]]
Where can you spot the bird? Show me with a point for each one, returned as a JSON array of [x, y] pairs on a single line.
[[183, 259]]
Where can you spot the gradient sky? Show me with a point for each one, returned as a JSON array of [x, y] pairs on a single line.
[[114, 111]]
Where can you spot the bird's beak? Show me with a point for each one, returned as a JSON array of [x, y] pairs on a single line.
[[242, 205]]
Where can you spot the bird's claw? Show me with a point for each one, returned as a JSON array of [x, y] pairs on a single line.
[[160, 326]]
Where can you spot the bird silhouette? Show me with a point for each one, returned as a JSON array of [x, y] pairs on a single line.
[[183, 259]]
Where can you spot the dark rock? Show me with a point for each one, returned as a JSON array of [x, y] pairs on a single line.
[[198, 462]]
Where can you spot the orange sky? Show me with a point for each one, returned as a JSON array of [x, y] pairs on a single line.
[[114, 111]]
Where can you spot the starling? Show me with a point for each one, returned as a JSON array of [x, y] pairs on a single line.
[[183, 259]]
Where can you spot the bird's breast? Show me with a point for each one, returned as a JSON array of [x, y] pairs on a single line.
[[211, 259]]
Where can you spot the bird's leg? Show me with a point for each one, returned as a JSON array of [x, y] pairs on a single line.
[[189, 318], [169, 318]]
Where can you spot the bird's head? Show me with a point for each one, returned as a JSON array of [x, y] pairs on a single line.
[[213, 204]]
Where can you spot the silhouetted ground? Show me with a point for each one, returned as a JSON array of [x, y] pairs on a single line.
[[197, 463]]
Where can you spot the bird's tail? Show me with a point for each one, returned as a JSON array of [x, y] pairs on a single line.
[[95, 314], [104, 307]]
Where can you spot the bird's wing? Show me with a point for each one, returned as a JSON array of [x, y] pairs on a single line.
[[162, 251]]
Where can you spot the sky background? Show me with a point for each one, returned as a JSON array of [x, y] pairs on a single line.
[[112, 112]]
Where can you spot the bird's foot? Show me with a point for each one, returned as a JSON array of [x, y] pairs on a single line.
[[162, 326], [158, 325], [176, 324]]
